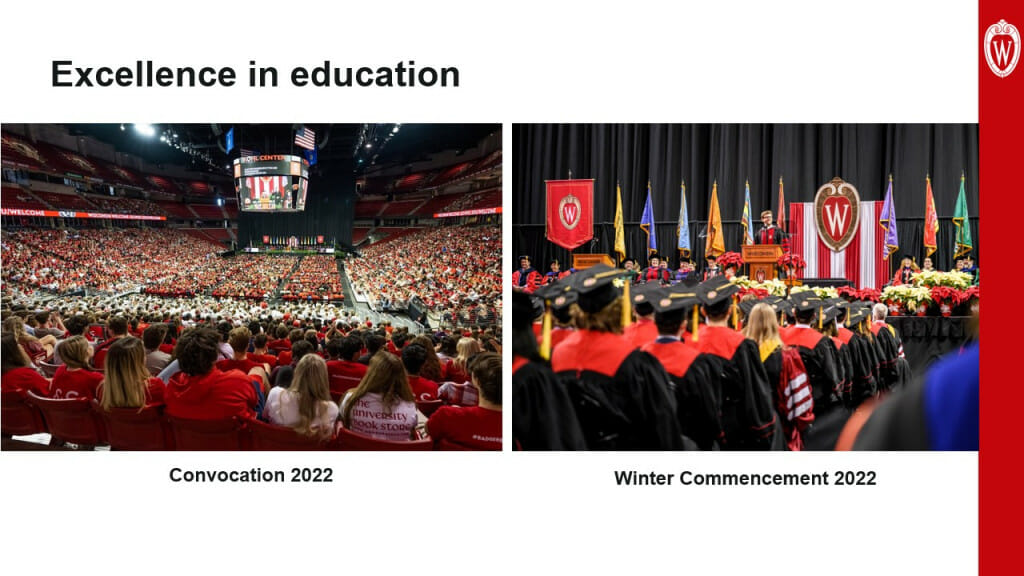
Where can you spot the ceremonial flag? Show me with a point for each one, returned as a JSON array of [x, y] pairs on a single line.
[[310, 156], [714, 245], [266, 239], [931, 220], [748, 234], [781, 222], [887, 220], [963, 224], [570, 212], [305, 138], [229, 139], [620, 231], [683, 229], [647, 223]]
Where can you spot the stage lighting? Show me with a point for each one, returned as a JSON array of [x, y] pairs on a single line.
[[369, 145], [395, 129], [146, 130], [163, 138]]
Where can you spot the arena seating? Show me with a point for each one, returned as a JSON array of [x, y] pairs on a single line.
[[400, 207], [369, 208], [17, 198], [70, 201], [358, 234], [435, 205], [176, 210], [208, 211], [316, 278]]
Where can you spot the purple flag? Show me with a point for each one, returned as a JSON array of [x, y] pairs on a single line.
[[887, 220]]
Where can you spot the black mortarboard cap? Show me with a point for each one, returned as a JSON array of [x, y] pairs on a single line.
[[676, 297], [716, 291], [561, 293], [805, 301], [597, 287]]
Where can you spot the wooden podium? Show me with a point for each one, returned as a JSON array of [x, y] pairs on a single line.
[[584, 261], [762, 260]]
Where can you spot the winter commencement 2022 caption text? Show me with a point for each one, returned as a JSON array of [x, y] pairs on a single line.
[[691, 478]]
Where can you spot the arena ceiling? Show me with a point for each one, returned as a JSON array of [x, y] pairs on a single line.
[[201, 146]]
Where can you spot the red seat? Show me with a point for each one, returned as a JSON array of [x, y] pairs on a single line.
[[263, 436], [18, 417], [135, 429], [207, 434], [354, 442], [449, 446], [428, 407], [49, 370], [70, 420]]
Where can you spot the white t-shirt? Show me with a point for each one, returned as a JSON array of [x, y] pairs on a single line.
[[282, 408], [370, 417]]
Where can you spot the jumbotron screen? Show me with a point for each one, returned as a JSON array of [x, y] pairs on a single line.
[[271, 183]]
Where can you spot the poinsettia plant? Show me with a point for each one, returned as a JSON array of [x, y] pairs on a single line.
[[819, 291], [773, 287], [791, 261], [909, 296], [864, 294], [730, 259], [953, 279]]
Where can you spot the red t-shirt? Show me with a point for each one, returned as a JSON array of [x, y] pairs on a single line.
[[474, 427], [154, 392], [284, 358], [243, 365], [422, 388], [75, 384], [215, 395], [23, 379], [344, 375], [263, 359]]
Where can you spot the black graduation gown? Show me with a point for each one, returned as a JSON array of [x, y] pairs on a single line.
[[697, 399], [623, 397], [543, 417], [818, 353], [862, 363], [889, 352], [844, 369], [748, 416]]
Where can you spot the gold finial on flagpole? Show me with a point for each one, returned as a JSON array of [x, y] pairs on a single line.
[[890, 176]]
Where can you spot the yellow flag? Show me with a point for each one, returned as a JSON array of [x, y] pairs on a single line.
[[715, 243], [620, 231]]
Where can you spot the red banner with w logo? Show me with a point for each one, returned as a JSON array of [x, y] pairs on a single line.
[[570, 212]]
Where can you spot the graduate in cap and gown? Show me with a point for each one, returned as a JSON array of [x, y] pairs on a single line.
[[543, 417], [622, 396], [817, 352], [676, 316], [748, 418]]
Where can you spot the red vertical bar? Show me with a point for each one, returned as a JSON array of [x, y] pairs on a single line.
[[1000, 129]]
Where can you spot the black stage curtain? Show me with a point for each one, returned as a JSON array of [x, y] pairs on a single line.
[[928, 338], [804, 155], [330, 210]]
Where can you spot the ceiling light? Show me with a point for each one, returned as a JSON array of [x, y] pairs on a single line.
[[147, 130]]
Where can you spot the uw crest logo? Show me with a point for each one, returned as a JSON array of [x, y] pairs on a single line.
[[569, 211], [837, 213], [1002, 48]]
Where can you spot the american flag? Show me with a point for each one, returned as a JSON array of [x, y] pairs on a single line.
[[306, 138]]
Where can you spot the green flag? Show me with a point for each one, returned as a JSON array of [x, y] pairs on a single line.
[[963, 224]]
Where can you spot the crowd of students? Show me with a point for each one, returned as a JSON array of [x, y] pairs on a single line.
[[316, 278], [296, 371], [700, 366], [162, 260], [449, 268]]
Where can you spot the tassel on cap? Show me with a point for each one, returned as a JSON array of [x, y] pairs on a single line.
[[627, 310], [695, 322], [821, 317], [545, 334]]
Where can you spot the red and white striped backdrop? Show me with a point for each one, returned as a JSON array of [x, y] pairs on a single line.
[[861, 260]]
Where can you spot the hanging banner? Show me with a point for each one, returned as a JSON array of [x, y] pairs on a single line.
[[570, 212], [837, 213]]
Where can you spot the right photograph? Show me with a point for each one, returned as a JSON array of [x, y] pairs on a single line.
[[745, 287]]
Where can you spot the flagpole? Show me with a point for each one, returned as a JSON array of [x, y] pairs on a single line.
[[888, 259]]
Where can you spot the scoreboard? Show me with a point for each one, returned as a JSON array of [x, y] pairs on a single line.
[[271, 183]]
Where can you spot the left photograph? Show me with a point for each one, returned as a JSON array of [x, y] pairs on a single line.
[[251, 287]]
